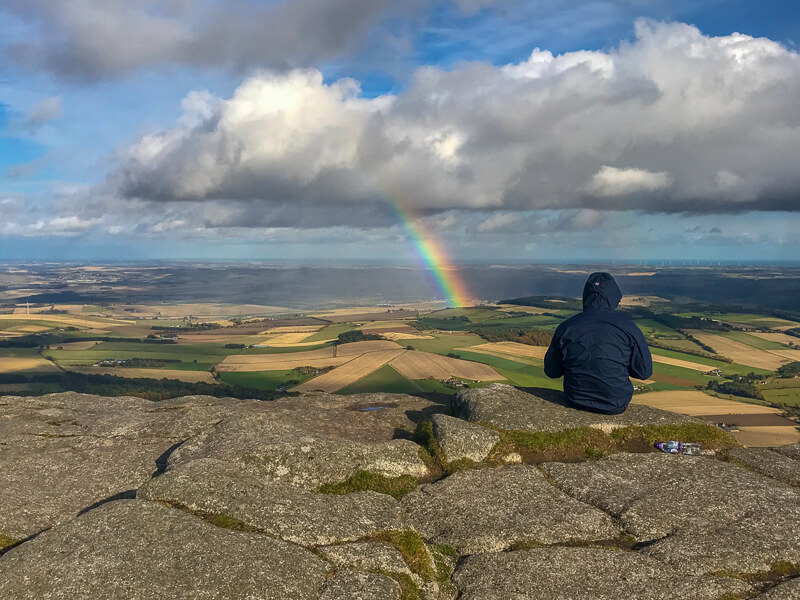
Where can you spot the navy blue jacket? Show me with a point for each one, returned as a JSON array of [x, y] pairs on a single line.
[[597, 350]]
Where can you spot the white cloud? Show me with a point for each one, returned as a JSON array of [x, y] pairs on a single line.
[[611, 181], [660, 124], [48, 109]]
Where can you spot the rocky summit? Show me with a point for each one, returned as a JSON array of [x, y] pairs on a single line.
[[498, 494]]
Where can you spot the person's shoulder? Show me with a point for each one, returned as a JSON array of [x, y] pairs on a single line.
[[622, 319]]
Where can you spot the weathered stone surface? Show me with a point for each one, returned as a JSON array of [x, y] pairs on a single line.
[[284, 453], [459, 439], [654, 495], [290, 513], [135, 549], [769, 463], [360, 417], [64, 452], [507, 407], [352, 585], [790, 450], [785, 591], [490, 510], [367, 556], [752, 544], [572, 573]]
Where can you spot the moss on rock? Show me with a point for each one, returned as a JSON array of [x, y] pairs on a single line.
[[363, 481]]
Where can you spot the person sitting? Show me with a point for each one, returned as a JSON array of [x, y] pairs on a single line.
[[598, 350]]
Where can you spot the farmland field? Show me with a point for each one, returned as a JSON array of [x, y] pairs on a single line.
[[780, 338], [741, 353], [132, 373], [421, 365], [386, 379], [280, 362], [350, 372], [22, 365], [263, 380]]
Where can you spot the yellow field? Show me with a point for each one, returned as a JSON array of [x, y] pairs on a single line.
[[350, 372], [32, 328], [206, 309], [742, 353], [369, 346], [383, 325], [285, 340], [70, 320], [780, 338], [695, 404], [188, 376], [354, 310], [533, 310], [279, 362], [11, 334], [677, 362], [78, 345], [792, 355], [20, 365], [766, 436], [393, 335], [413, 364], [295, 329], [510, 348], [75, 309]]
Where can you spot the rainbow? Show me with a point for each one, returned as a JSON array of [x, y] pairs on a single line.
[[431, 253]]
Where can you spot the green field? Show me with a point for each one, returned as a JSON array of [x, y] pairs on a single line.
[[386, 379], [202, 353], [331, 332], [264, 380], [752, 340], [790, 396], [444, 343], [752, 319], [654, 328]]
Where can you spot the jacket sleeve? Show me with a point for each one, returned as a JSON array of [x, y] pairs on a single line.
[[641, 366], [553, 367]]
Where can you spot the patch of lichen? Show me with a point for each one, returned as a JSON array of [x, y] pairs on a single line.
[[7, 542], [777, 572], [363, 481], [411, 545], [226, 522], [435, 459], [708, 436]]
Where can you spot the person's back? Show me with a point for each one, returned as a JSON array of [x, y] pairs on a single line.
[[598, 350]]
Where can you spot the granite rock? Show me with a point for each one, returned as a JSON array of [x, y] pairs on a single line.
[[460, 439], [491, 510]]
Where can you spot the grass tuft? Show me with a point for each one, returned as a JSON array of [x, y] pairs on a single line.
[[7, 542], [413, 548], [708, 436], [363, 481], [580, 437], [408, 589]]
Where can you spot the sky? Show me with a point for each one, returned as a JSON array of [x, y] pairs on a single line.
[[508, 130]]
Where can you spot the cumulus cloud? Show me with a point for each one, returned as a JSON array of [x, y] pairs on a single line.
[[673, 122], [94, 39], [610, 181]]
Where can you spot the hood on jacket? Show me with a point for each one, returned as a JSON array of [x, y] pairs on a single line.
[[601, 291]]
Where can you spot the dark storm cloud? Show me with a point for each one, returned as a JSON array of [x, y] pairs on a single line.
[[96, 39]]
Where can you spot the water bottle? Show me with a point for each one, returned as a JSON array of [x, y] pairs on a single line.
[[673, 447]]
